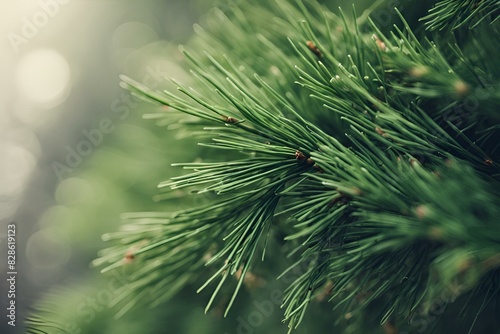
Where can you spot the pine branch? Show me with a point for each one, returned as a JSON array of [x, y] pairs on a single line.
[[361, 211], [338, 130]]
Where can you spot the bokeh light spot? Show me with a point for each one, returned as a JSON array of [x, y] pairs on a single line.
[[43, 77]]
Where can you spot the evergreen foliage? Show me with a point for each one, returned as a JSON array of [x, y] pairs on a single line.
[[375, 154]]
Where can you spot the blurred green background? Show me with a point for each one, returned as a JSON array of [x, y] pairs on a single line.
[[64, 180]]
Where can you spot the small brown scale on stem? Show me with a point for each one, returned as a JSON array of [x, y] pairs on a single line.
[[326, 291], [381, 132], [299, 156], [129, 256], [422, 211], [461, 88], [314, 49], [230, 120], [380, 44]]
